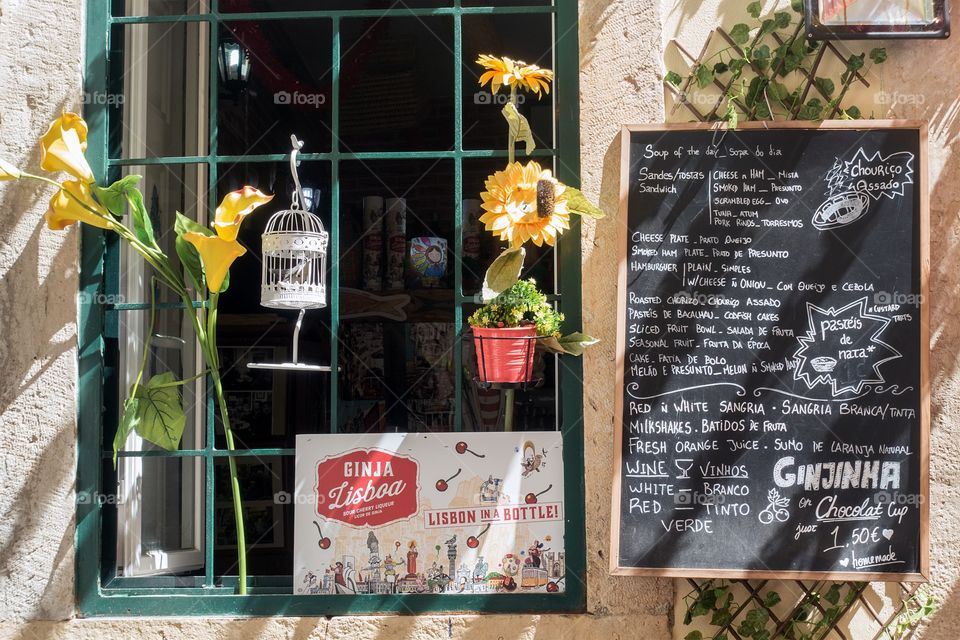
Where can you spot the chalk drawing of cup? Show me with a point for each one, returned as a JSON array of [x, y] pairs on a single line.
[[841, 209], [823, 364]]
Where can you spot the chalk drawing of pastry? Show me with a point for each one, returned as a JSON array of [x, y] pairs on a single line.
[[823, 364], [841, 210]]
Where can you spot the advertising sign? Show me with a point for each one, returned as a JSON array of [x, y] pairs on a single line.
[[460, 513]]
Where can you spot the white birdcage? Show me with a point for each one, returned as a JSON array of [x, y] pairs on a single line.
[[294, 268]]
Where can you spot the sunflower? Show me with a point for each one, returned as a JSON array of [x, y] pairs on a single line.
[[511, 206], [504, 71]]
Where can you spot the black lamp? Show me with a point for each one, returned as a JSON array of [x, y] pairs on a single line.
[[234, 62], [871, 19]]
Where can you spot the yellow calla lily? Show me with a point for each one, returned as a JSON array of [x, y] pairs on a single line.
[[217, 254], [66, 208], [8, 171], [63, 145], [234, 207]]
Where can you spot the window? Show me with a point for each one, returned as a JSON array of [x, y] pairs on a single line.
[[384, 96]]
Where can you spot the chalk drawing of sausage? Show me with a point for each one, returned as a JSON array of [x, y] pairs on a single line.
[[841, 210]]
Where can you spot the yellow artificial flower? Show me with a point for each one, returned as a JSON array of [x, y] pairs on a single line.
[[504, 71], [217, 254], [8, 171], [63, 145], [234, 207], [66, 208], [511, 205]]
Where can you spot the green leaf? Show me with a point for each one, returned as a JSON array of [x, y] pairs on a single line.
[[813, 110], [731, 116], [519, 127], [825, 86], [833, 594], [797, 5], [755, 90], [577, 203], [720, 67], [791, 62], [740, 33], [721, 618], [503, 273], [160, 413], [761, 55], [754, 9], [782, 19], [703, 75], [572, 344], [855, 63], [777, 91], [673, 78], [114, 197], [142, 227], [737, 65], [693, 635], [189, 257], [763, 111], [767, 27], [772, 599], [128, 422], [878, 55]]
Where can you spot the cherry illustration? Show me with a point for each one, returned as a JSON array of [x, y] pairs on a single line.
[[531, 498], [463, 448], [443, 485], [323, 542], [474, 541], [554, 587]]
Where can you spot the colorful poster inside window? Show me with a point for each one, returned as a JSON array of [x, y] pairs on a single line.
[[455, 513]]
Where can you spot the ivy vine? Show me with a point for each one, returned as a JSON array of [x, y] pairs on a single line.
[[767, 51], [810, 619]]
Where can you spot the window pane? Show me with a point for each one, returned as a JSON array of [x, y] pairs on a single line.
[[274, 80], [268, 407], [162, 107], [397, 87], [167, 504], [266, 485], [396, 298], [880, 12], [521, 37]]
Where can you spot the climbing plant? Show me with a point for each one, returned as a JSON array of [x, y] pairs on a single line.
[[770, 72]]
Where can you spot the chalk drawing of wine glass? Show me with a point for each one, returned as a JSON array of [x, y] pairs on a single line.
[[776, 508], [684, 465]]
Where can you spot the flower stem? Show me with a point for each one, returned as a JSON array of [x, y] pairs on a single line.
[[214, 362]]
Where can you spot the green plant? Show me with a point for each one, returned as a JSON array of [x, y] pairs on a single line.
[[769, 72], [520, 305], [811, 618]]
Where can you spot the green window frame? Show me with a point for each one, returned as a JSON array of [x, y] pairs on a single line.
[[100, 592]]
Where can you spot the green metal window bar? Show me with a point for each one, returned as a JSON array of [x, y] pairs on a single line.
[[99, 590]]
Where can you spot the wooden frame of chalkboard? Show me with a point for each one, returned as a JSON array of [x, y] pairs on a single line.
[[921, 257]]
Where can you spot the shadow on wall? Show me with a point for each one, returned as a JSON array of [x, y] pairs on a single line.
[[38, 311]]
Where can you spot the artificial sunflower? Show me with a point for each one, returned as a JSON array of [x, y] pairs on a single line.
[[504, 71], [525, 202]]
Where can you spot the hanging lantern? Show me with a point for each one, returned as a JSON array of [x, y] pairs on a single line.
[[294, 267], [234, 62]]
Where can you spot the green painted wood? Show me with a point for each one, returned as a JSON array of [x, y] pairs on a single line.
[[322, 156], [570, 370], [397, 10], [458, 218], [334, 249]]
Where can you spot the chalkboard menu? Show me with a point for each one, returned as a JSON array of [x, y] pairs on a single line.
[[773, 407]]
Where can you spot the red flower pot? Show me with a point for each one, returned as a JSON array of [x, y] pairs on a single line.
[[505, 354]]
